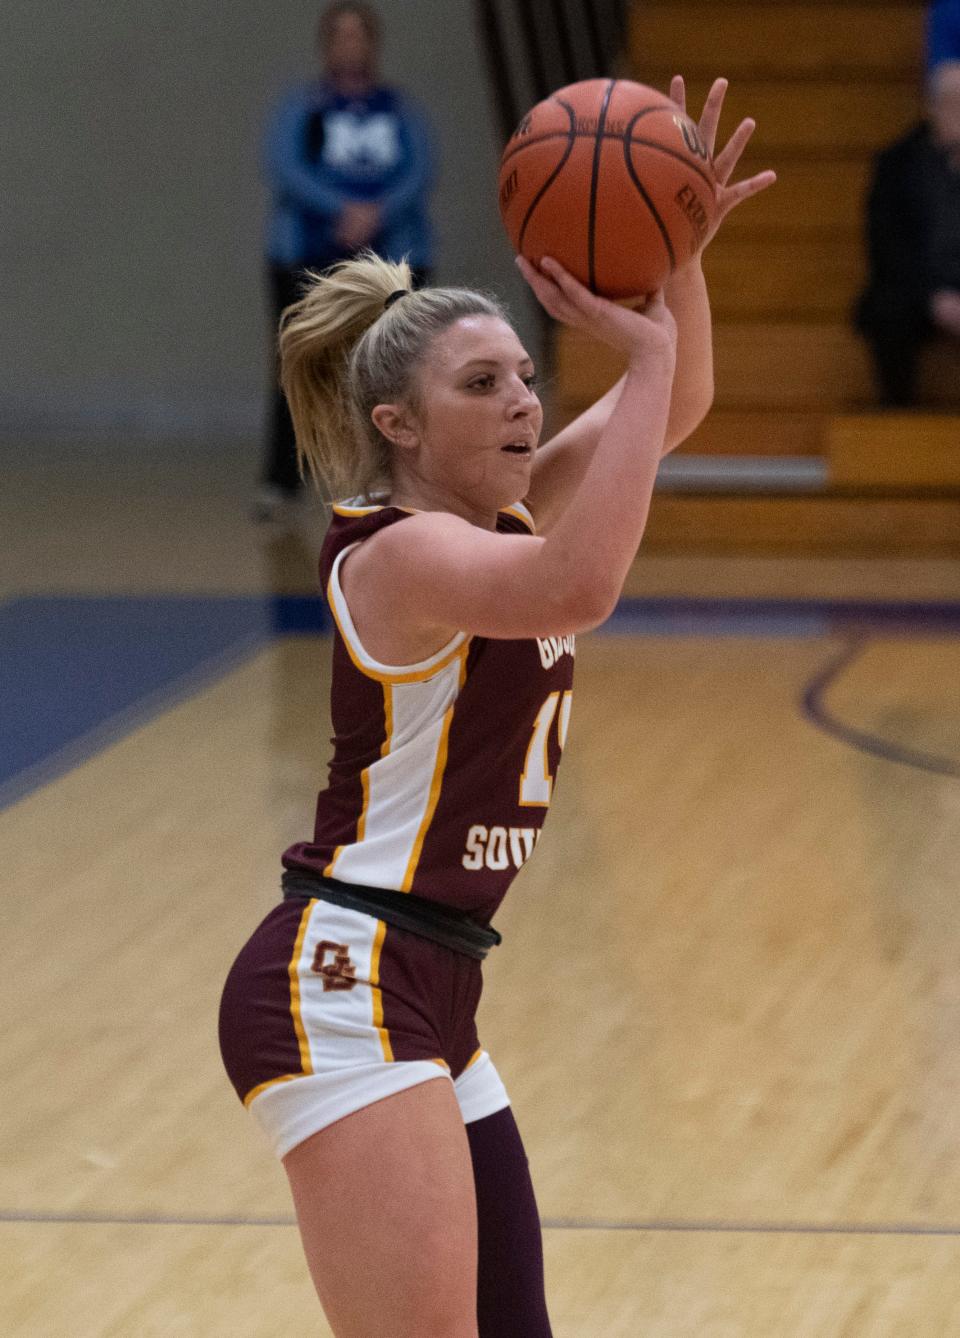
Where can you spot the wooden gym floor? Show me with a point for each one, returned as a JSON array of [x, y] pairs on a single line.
[[727, 1003]]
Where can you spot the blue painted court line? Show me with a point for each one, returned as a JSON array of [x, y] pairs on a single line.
[[655, 1225], [670, 616], [299, 615], [672, 619], [71, 669], [77, 673]]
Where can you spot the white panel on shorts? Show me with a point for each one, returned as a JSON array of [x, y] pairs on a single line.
[[290, 1112], [339, 1024], [480, 1090]]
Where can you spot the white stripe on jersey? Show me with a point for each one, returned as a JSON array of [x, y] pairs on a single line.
[[400, 785], [403, 783]]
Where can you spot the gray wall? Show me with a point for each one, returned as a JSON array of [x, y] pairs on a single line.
[[132, 207]]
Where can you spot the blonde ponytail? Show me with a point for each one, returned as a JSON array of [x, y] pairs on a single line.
[[344, 349], [317, 335]]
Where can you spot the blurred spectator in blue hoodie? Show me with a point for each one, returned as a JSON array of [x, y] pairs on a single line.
[[350, 164]]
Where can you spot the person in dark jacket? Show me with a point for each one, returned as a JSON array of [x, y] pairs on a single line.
[[350, 165], [913, 239]]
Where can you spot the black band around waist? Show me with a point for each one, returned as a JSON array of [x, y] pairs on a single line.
[[442, 924]]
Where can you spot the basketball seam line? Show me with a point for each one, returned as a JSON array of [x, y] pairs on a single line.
[[599, 136], [571, 138], [672, 153], [629, 143], [576, 134], [595, 185], [646, 198]]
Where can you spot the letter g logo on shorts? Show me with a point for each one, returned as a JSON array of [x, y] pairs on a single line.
[[338, 974]]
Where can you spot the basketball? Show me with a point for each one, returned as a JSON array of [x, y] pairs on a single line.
[[611, 179]]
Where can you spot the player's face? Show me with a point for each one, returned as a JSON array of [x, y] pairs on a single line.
[[478, 416]]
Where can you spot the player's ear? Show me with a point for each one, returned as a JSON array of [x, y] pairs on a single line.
[[392, 422]]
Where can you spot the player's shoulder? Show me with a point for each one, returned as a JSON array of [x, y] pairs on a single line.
[[438, 526], [378, 528], [374, 512], [352, 522], [358, 520]]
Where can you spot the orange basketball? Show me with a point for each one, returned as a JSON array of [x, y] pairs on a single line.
[[610, 178]]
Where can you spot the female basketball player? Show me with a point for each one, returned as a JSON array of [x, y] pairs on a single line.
[[347, 1022]]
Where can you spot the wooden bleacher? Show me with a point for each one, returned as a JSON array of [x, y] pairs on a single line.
[[882, 452], [828, 84]]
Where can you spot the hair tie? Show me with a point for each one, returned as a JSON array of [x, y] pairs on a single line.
[[395, 297]]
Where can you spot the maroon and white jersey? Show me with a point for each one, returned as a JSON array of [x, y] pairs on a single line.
[[442, 771]]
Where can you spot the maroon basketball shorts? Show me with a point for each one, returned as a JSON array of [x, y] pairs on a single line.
[[327, 1010]]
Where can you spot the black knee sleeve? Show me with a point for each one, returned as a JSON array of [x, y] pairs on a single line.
[[510, 1293]]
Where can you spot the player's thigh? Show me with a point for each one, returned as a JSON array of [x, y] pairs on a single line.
[[387, 1214]]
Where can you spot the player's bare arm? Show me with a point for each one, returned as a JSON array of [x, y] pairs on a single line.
[[515, 586], [561, 461]]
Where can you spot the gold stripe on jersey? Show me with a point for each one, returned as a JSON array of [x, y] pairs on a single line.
[[437, 781], [473, 1058], [349, 510], [434, 795], [345, 509], [365, 786], [365, 776], [361, 821], [377, 994], [388, 718], [294, 970], [417, 674], [522, 514]]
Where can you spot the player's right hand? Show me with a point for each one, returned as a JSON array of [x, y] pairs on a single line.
[[637, 333]]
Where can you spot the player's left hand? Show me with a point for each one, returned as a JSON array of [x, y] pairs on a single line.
[[724, 162]]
